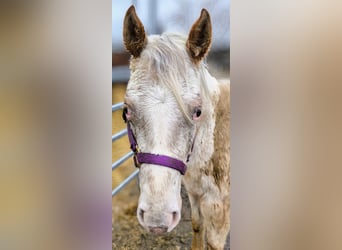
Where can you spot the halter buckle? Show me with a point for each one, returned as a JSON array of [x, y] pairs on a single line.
[[136, 162]]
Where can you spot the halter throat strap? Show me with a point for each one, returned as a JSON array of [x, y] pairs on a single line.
[[162, 160]]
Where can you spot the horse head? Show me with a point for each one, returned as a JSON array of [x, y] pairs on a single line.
[[164, 107]]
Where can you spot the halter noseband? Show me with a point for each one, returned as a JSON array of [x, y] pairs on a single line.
[[157, 159]]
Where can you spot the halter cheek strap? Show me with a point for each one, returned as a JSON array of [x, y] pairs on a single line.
[[162, 160]]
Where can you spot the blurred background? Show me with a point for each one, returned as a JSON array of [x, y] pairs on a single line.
[[55, 94], [173, 16]]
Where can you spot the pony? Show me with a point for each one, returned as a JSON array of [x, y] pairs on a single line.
[[178, 120]]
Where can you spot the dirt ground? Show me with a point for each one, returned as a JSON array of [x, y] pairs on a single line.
[[128, 234]]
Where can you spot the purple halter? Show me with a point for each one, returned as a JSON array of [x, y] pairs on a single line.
[[148, 158]]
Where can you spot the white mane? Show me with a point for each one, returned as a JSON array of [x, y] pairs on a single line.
[[166, 60]]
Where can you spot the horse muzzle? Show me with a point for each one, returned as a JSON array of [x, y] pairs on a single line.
[[158, 222]]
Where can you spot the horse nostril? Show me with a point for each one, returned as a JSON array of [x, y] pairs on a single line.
[[141, 214], [175, 216]]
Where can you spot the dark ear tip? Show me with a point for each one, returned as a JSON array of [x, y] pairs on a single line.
[[131, 8], [130, 11], [204, 12]]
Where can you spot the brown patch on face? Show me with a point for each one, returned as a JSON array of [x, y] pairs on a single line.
[[221, 157], [206, 172]]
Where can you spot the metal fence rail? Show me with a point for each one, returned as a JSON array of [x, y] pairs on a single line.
[[117, 163], [125, 182], [121, 160], [119, 135], [117, 106]]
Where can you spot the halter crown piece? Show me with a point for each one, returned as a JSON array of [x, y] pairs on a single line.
[[162, 160]]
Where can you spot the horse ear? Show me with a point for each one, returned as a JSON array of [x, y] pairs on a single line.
[[199, 39], [134, 35]]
